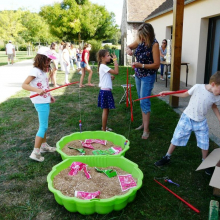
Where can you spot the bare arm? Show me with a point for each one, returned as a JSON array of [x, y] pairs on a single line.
[[216, 111], [26, 86], [156, 58], [182, 95], [115, 70], [131, 47]]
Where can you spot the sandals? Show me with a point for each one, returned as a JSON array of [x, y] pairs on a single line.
[[108, 129], [90, 84], [145, 135], [81, 86]]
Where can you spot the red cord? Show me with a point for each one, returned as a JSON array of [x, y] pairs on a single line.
[[192, 207]]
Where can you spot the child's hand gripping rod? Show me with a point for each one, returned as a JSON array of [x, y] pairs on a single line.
[[32, 96], [168, 93]]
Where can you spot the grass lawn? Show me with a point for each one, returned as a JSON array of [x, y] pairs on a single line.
[[20, 55], [23, 187]]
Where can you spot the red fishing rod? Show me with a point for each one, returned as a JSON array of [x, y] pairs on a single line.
[[192, 207], [68, 84], [167, 93]]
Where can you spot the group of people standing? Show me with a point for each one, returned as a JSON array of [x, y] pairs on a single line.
[[148, 56], [67, 57]]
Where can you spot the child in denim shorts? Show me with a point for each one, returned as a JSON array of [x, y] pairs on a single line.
[[203, 97]]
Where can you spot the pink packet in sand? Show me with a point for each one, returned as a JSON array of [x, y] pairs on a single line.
[[98, 141], [78, 166], [87, 174], [88, 141], [88, 146], [116, 149], [75, 168], [86, 195], [126, 182]]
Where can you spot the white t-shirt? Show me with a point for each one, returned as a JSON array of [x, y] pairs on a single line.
[[9, 48], [41, 82], [200, 102], [66, 56], [105, 81]]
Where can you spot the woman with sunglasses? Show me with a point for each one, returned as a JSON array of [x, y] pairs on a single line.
[[163, 52]]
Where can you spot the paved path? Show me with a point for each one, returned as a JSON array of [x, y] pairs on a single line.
[[12, 77]]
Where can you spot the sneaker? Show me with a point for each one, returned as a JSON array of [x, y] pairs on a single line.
[[209, 171], [163, 161], [162, 79], [37, 157], [47, 148]]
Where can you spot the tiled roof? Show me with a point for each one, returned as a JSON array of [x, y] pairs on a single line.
[[163, 8], [138, 10]]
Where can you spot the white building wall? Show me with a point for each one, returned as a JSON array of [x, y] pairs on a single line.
[[195, 33]]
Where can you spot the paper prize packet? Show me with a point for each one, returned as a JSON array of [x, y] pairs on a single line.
[[109, 173], [117, 150], [126, 182], [87, 195], [78, 166], [103, 152], [82, 151]]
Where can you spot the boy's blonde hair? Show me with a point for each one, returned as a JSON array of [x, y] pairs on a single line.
[[215, 78]]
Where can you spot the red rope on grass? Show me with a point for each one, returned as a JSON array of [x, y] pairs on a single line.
[[192, 207], [32, 96], [127, 90], [132, 119]]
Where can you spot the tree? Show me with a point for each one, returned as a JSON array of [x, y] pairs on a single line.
[[71, 20], [10, 25], [116, 38], [37, 30]]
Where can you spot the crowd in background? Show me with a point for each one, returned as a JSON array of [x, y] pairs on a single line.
[[68, 56]]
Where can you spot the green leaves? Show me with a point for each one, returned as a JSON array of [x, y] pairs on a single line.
[[79, 19]]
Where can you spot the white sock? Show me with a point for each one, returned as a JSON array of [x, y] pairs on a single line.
[[169, 155], [37, 150]]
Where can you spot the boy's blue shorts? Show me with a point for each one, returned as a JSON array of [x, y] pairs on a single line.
[[184, 129]]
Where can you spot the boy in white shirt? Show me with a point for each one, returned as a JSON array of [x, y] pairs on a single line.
[[10, 51], [203, 97]]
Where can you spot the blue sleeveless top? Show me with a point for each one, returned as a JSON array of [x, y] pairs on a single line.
[[144, 55]]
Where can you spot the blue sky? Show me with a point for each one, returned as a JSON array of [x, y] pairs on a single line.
[[34, 5]]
